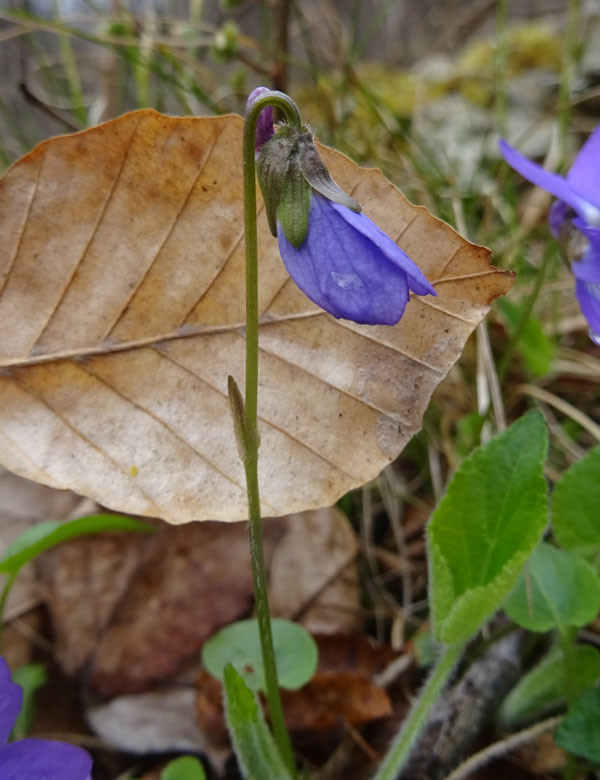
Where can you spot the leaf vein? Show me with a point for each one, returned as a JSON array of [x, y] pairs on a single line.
[[168, 234], [160, 511], [10, 442], [61, 296], [347, 393], [441, 309], [162, 423], [23, 226], [262, 419], [405, 228], [354, 329], [220, 270]]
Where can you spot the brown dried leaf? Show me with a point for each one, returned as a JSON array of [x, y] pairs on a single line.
[[22, 504], [331, 698], [340, 691], [160, 721], [193, 579], [83, 580], [313, 574], [136, 607], [541, 756], [122, 311], [209, 709]]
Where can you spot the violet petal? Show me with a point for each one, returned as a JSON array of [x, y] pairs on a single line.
[[350, 268], [11, 699], [588, 295], [417, 281], [557, 216], [588, 268], [584, 175], [264, 127], [551, 182], [42, 759]]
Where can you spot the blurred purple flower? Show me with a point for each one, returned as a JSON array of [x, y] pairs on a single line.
[[576, 214], [336, 255], [34, 759]]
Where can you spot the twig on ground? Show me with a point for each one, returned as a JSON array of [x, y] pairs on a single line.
[[464, 709], [501, 748]]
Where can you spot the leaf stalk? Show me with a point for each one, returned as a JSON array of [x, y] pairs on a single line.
[[397, 755]]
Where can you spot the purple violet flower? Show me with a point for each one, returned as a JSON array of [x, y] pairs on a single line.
[[575, 215], [351, 268], [34, 759], [337, 256]]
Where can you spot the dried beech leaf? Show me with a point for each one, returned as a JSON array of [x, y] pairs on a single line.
[[136, 607], [122, 311], [160, 721], [22, 504], [82, 581], [333, 697], [340, 690], [192, 580], [313, 576]]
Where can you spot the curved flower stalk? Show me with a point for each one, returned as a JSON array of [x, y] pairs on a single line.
[[34, 759], [336, 255], [574, 218]]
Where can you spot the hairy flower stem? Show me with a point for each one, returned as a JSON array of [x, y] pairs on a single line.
[[397, 755], [249, 446], [549, 253]]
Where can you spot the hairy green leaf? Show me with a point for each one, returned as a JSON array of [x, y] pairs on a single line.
[[576, 506], [485, 527], [255, 748], [557, 589], [579, 733], [542, 689]]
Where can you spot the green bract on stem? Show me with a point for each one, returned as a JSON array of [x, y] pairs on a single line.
[[246, 418]]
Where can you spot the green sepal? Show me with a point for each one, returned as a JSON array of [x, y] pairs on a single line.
[[316, 174], [30, 677], [272, 166], [294, 206], [288, 167]]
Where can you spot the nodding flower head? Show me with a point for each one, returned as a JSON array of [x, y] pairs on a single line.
[[264, 127], [336, 255], [574, 219]]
